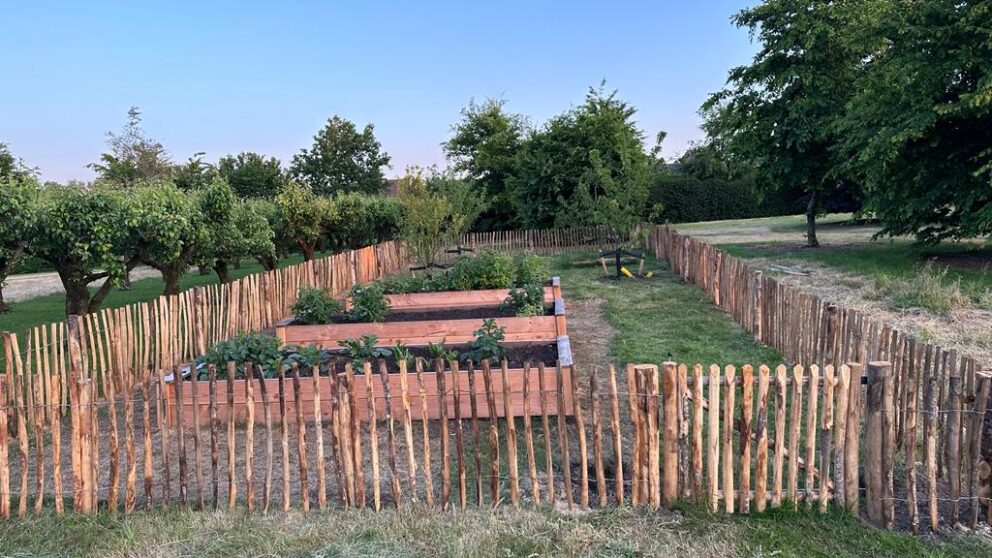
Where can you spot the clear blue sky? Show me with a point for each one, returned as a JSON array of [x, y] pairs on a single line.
[[224, 77]]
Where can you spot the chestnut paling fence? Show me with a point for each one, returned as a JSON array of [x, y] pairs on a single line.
[[176, 329], [733, 440], [914, 430]]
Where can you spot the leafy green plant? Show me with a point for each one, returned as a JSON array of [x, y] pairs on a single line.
[[315, 306], [363, 348], [488, 343], [306, 357], [402, 353], [368, 303], [439, 351], [530, 268], [526, 301], [257, 348], [488, 270]]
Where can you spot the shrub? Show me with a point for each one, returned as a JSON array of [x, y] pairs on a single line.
[[526, 301], [488, 270], [257, 348], [530, 268], [684, 199], [488, 343], [368, 303], [314, 306]]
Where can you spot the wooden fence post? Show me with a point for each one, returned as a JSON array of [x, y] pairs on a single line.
[[670, 448], [879, 376], [984, 386], [852, 441]]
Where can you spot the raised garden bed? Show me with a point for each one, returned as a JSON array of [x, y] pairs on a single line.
[[515, 377], [418, 302], [536, 339]]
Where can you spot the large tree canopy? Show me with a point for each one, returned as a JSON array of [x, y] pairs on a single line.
[[919, 131], [134, 158], [85, 235], [778, 114], [342, 159], [18, 200], [169, 230], [586, 166], [252, 175], [484, 145]]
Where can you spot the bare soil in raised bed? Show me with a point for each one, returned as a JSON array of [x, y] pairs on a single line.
[[445, 314], [516, 356]]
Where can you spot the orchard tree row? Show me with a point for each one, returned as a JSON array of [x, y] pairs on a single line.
[[97, 234]]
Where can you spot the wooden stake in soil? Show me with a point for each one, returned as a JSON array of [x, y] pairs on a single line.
[[301, 439], [177, 383], [318, 429], [284, 423], [795, 427], [747, 408], [697, 434], [426, 438], [728, 438], [563, 434], [851, 452], [984, 387], [459, 441], [250, 435], [476, 454], [580, 427], [147, 436], [875, 441], [713, 438], [267, 413], [825, 439], [394, 480], [597, 438], [811, 414], [442, 400], [4, 457], [670, 451], [411, 459], [953, 444], [549, 469], [214, 435], [511, 438], [761, 461], [232, 479], [197, 466], [494, 480], [614, 430], [781, 393]]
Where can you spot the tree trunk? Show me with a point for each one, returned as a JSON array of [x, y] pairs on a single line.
[[172, 277], [811, 209], [220, 267], [308, 249], [269, 263], [203, 269], [6, 266], [77, 294], [236, 264]]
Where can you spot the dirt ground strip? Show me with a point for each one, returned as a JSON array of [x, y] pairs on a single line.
[[969, 330], [30, 285]]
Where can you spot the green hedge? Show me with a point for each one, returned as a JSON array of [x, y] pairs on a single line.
[[684, 199]]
